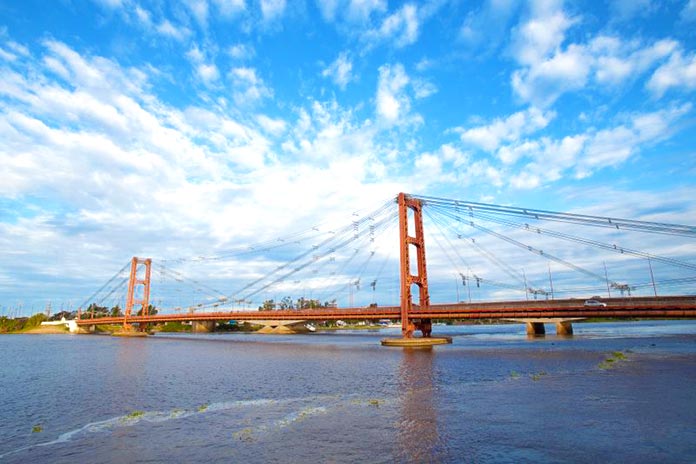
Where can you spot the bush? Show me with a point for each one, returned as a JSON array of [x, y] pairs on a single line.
[[175, 327]]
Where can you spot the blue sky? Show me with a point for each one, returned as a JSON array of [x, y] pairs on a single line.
[[185, 127]]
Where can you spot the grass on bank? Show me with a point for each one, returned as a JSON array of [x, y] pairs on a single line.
[[21, 324]]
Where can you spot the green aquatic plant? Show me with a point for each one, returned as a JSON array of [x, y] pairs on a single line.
[[514, 375], [37, 428], [374, 402], [135, 414], [202, 407], [536, 377], [609, 362]]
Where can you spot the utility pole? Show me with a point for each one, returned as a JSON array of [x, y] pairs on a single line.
[[550, 281], [526, 287], [652, 278], [468, 287], [606, 278]]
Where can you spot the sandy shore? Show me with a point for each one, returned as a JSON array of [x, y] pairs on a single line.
[[47, 329]]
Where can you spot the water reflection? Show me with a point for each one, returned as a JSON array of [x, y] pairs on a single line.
[[417, 434]]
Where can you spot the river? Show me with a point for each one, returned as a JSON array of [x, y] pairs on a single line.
[[614, 392]]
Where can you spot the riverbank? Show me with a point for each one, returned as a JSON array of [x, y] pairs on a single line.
[[45, 329]]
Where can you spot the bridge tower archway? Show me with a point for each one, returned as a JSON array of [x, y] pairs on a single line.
[[411, 210], [139, 277]]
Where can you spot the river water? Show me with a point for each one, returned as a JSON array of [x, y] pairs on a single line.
[[614, 392]]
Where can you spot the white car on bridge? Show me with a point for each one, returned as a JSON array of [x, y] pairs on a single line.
[[595, 303]]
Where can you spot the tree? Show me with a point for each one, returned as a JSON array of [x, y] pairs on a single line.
[[151, 310], [286, 303], [116, 311], [268, 305], [303, 303], [96, 310]]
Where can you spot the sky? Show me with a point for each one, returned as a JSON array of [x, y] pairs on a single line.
[[185, 127]]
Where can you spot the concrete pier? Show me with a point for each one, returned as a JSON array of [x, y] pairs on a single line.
[[202, 326], [535, 327], [564, 328]]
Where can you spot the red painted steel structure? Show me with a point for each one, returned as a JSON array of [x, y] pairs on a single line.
[[406, 204], [643, 307], [134, 281]]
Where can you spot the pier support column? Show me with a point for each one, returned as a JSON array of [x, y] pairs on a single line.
[[202, 326], [535, 328], [564, 328]]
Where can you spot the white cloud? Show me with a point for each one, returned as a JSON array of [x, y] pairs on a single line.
[[400, 27], [167, 29], [340, 71], [328, 9], [7, 56], [617, 61], [143, 16], [392, 103], [361, 10], [241, 51], [203, 170], [487, 27], [625, 10], [228, 8], [678, 72], [550, 70], [510, 154], [509, 130], [199, 9], [248, 87], [538, 38], [272, 9], [428, 165], [446, 165], [206, 71], [423, 88], [547, 160], [271, 126], [688, 14], [543, 83]]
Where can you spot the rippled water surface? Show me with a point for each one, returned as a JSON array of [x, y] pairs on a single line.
[[614, 392]]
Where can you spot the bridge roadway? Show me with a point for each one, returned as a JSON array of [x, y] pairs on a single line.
[[642, 307]]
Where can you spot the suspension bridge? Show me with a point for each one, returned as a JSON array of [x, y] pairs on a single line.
[[488, 262]]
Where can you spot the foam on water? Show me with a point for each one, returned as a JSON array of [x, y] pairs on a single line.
[[246, 434]]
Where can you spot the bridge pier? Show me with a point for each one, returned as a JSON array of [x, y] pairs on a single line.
[[535, 329], [202, 326], [564, 328]]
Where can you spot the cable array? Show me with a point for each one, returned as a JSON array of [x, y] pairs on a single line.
[[491, 250]]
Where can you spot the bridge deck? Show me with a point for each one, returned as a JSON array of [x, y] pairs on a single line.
[[645, 307]]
